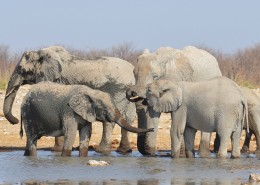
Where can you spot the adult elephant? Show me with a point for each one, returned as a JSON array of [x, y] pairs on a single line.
[[108, 74], [189, 64]]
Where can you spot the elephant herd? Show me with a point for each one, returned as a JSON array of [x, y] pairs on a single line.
[[71, 92]]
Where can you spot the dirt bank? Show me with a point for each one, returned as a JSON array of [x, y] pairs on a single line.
[[10, 139]]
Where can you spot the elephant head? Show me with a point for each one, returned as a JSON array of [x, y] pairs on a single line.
[[34, 66], [164, 96], [189, 64], [94, 105]]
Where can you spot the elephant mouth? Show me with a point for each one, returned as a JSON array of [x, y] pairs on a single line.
[[30, 82], [136, 98], [142, 100]]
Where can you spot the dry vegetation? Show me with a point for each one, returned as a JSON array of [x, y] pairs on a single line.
[[243, 66]]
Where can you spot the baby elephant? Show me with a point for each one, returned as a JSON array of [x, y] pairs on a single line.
[[51, 109], [216, 105]]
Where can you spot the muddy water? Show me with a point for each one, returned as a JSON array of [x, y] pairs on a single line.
[[50, 168]]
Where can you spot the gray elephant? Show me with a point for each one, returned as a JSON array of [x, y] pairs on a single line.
[[108, 74], [216, 105], [253, 101], [51, 109], [189, 64]]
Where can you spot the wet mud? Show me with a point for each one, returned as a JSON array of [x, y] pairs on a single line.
[[50, 168]]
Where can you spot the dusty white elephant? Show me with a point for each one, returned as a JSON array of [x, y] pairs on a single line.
[[51, 109], [108, 74], [188, 64], [253, 101], [217, 105]]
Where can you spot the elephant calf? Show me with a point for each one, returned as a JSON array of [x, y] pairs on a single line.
[[51, 109], [217, 105]]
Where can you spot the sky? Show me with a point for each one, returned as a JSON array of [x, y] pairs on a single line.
[[224, 25]]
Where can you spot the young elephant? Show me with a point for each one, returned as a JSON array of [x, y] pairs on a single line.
[[253, 102], [51, 109], [216, 105]]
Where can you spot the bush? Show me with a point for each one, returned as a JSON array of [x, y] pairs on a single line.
[[243, 66], [125, 51]]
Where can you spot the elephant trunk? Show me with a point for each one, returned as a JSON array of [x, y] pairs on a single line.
[[147, 118], [123, 123], [146, 143], [12, 88]]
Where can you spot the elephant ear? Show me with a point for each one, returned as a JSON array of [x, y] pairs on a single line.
[[83, 107], [170, 99], [49, 66]]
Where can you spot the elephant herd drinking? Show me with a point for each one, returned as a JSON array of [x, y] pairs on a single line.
[[72, 92]]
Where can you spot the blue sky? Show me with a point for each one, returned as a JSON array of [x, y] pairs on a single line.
[[225, 25]]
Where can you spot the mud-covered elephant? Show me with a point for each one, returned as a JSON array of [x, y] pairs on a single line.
[[108, 74], [216, 105], [189, 64], [51, 109], [253, 101]]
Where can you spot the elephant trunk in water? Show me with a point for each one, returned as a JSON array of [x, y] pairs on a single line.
[[123, 123], [146, 143], [12, 88]]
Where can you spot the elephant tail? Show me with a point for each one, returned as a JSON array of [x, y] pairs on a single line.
[[245, 116], [21, 128]]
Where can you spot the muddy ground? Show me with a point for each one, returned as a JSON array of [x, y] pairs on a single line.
[[10, 138]]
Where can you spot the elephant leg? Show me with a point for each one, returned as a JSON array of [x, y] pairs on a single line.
[[189, 137], [235, 138], [216, 143], [129, 112], [255, 122], [31, 146], [177, 131], [58, 145], [246, 145], [105, 143], [224, 138], [124, 146], [70, 130], [84, 137], [204, 148]]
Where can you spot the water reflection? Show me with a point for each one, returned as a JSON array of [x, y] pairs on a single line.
[[49, 168], [141, 182]]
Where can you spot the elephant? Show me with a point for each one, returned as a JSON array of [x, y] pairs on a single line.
[[253, 101], [108, 74], [51, 109], [215, 105], [189, 64]]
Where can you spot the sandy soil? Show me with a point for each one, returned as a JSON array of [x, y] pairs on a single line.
[[10, 138]]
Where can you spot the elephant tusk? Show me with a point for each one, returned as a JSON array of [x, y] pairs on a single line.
[[134, 98], [10, 92]]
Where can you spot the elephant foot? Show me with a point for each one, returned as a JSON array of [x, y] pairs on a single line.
[[28, 152], [124, 149], [204, 153], [257, 153], [58, 146], [103, 149], [83, 152], [175, 154], [219, 156], [235, 156], [66, 153], [245, 149], [190, 154]]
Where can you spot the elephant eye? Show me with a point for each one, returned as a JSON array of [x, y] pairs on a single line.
[[163, 92], [27, 57], [155, 76]]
